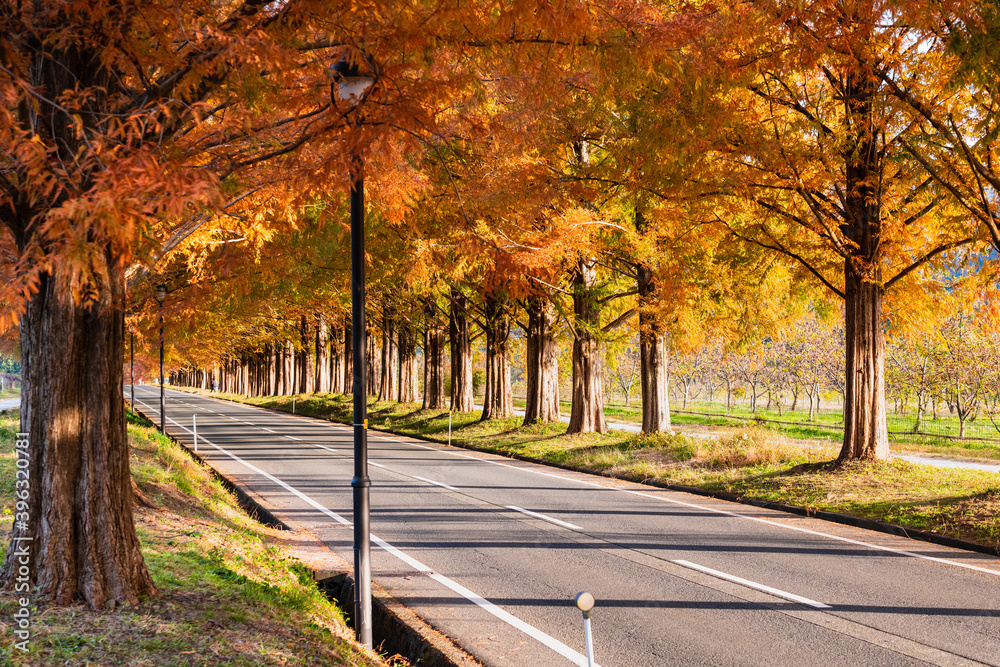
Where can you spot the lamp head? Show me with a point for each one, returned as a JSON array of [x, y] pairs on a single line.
[[349, 82], [584, 601]]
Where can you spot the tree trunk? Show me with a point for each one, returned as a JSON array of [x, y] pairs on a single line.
[[407, 364], [290, 378], [322, 381], [587, 413], [373, 363], [389, 385], [302, 358], [434, 398], [348, 359], [541, 363], [78, 529], [653, 358], [498, 401], [336, 361], [460, 332], [865, 430]]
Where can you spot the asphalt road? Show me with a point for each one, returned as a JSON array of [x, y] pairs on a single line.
[[491, 552]]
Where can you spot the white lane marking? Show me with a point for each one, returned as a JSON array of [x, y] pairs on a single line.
[[266, 429], [769, 522], [292, 437], [431, 481], [543, 517], [377, 465], [248, 423], [329, 449], [752, 584], [485, 604]]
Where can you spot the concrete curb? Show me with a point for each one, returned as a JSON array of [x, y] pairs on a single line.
[[396, 629]]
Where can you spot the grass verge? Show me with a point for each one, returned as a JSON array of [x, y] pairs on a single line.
[[227, 593], [750, 462]]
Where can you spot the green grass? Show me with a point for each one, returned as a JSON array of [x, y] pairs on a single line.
[[227, 593], [755, 461]]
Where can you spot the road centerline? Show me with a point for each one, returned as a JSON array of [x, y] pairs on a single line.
[[431, 481], [543, 517], [752, 584]]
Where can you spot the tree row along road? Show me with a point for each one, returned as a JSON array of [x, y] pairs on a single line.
[[490, 552]]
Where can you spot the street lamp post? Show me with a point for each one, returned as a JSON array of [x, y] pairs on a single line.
[[131, 365], [161, 295], [349, 84]]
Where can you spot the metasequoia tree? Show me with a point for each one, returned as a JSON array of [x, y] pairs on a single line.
[[817, 170]]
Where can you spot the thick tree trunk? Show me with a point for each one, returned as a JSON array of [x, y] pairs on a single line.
[[407, 364], [322, 381], [77, 526], [460, 331], [499, 399], [389, 381], [587, 413], [434, 395], [541, 363], [865, 431], [655, 381]]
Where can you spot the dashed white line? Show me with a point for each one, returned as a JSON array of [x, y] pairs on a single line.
[[543, 517], [377, 465], [248, 423], [431, 481], [752, 584], [292, 437], [329, 449], [266, 429]]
